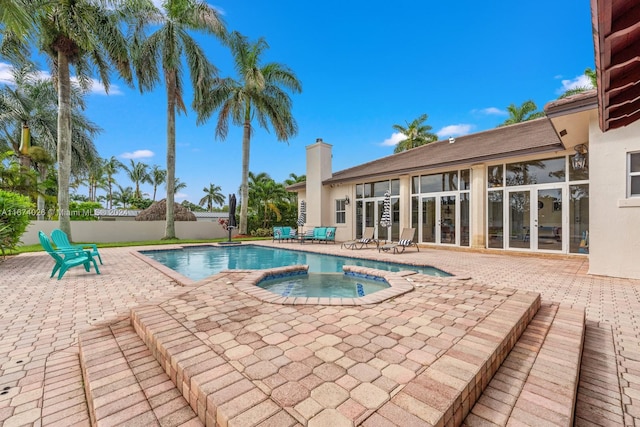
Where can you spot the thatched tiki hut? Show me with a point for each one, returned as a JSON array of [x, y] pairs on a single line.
[[158, 212]]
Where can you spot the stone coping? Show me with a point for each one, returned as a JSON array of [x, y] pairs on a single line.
[[398, 285]]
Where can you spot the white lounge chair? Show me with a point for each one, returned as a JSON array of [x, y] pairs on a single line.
[[405, 241]]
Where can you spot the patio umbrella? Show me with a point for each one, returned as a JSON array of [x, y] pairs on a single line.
[[385, 221], [232, 210], [302, 215]]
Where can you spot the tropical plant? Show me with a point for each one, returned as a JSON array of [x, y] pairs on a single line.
[[86, 35], [157, 177], [178, 185], [138, 174], [167, 49], [124, 196], [212, 196], [265, 194], [14, 218], [259, 93], [415, 134], [593, 83], [527, 111], [111, 168], [32, 105]]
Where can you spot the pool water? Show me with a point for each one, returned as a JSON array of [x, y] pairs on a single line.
[[335, 285], [198, 262]]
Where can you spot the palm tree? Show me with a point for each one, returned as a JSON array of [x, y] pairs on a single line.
[[165, 48], [212, 195], [178, 185], [527, 111], [265, 194], [84, 34], [416, 134], [158, 177], [138, 174], [259, 93], [123, 196], [111, 168]]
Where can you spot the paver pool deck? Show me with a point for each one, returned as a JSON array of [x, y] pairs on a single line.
[[41, 320]]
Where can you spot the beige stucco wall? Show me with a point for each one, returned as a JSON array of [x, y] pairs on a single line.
[[614, 226], [125, 231]]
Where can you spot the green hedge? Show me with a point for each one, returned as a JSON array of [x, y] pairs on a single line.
[[14, 218]]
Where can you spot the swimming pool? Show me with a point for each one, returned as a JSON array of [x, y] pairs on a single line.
[[198, 262]]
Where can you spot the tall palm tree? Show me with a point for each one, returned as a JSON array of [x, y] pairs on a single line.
[[259, 93], [138, 174], [527, 111], [86, 35], [157, 177], [212, 196], [416, 134], [111, 167], [162, 54]]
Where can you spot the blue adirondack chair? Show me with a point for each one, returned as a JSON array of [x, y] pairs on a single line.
[[61, 240], [67, 258]]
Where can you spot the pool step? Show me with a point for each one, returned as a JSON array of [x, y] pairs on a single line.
[[537, 383], [232, 360], [125, 384]]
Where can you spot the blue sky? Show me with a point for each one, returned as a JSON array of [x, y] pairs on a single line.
[[364, 66]]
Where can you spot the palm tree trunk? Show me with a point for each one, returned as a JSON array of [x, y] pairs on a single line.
[[170, 229], [41, 202], [244, 187], [64, 143]]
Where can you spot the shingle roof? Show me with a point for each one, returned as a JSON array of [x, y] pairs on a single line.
[[534, 136], [586, 100]]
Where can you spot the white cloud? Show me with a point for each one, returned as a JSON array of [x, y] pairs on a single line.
[[455, 130], [96, 87], [492, 111], [5, 73], [580, 81], [138, 154], [393, 140]]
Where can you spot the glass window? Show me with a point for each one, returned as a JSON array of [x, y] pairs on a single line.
[[450, 181], [359, 191], [395, 187], [380, 187], [634, 175], [415, 185], [495, 176], [431, 183], [368, 190], [465, 179], [341, 211], [465, 220], [495, 225], [579, 219], [536, 172]]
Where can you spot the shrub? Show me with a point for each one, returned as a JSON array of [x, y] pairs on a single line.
[[14, 218], [261, 232], [84, 211]]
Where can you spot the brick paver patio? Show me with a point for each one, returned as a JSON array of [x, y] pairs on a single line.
[[41, 318]]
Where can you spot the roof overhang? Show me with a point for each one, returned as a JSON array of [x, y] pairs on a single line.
[[616, 37]]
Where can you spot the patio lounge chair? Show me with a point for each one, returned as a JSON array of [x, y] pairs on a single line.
[[364, 241], [61, 240], [406, 240], [67, 258]]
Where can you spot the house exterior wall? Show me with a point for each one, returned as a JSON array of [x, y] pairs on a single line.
[[615, 219]]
